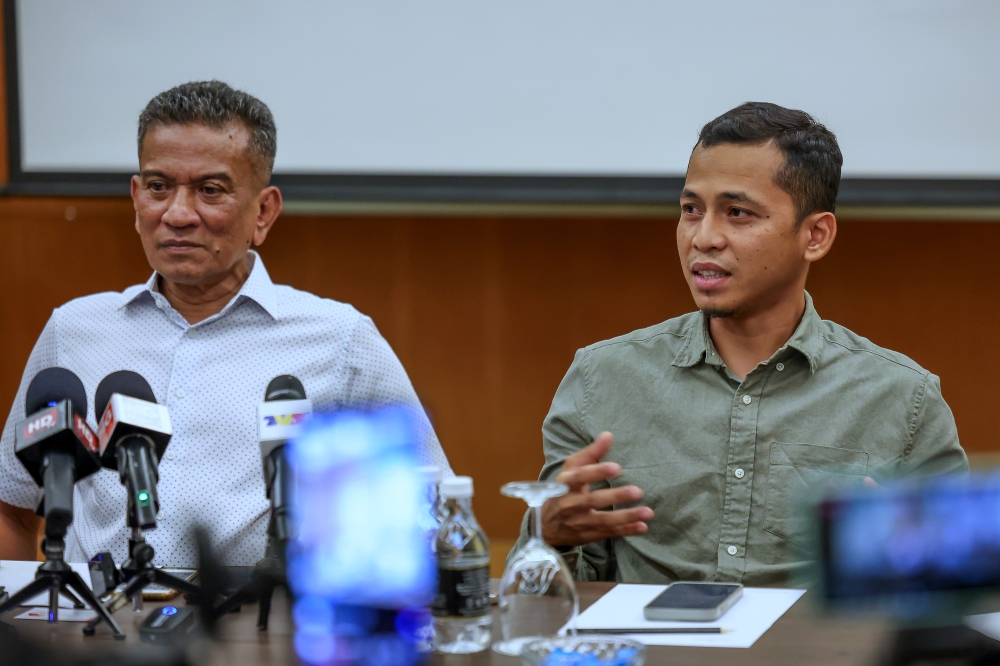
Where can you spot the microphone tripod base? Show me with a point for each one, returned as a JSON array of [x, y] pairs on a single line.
[[268, 575], [56, 577], [139, 574]]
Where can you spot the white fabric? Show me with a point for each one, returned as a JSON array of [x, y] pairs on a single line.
[[211, 376]]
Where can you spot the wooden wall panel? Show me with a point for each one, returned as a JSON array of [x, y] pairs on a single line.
[[487, 313]]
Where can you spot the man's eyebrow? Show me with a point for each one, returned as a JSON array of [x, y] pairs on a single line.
[[737, 196], [688, 194], [222, 175]]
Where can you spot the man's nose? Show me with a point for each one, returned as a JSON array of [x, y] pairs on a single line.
[[181, 211], [709, 234]]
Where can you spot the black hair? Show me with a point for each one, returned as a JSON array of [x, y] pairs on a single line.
[[217, 105], [811, 171]]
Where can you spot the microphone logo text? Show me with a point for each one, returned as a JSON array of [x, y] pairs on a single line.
[[284, 419], [85, 433], [43, 422]]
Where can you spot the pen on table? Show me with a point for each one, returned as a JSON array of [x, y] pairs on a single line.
[[657, 630]]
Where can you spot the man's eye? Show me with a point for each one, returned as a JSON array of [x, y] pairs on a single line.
[[211, 191], [156, 186], [740, 213], [689, 209]]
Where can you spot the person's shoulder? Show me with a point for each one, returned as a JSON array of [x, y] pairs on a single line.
[[666, 337], [101, 303], [298, 304], [845, 344]]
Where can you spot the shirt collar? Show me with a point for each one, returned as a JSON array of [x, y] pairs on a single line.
[[808, 335], [258, 288], [807, 340]]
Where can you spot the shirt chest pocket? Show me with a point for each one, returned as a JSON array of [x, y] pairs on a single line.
[[799, 473]]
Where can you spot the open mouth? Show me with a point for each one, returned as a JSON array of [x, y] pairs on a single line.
[[709, 276]]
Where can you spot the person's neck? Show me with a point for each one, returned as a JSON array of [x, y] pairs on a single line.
[[198, 302], [744, 342]]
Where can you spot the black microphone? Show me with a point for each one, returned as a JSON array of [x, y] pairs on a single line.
[[279, 418], [133, 434], [55, 444]]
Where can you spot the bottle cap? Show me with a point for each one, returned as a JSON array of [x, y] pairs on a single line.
[[429, 474], [457, 487]]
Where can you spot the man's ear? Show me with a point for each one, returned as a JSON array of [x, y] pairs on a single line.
[[820, 230], [134, 189], [269, 205]]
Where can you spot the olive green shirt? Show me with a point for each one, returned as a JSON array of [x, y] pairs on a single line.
[[725, 463]]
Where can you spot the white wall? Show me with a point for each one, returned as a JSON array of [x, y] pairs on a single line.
[[911, 87]]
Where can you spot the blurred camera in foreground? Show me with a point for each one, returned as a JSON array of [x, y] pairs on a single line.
[[923, 552], [359, 565]]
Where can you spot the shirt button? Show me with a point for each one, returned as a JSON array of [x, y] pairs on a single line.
[[747, 400], [179, 393], [170, 456], [159, 304], [739, 473], [732, 550], [159, 516], [192, 333], [779, 367]]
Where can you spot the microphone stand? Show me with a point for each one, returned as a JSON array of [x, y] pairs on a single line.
[[268, 575], [54, 575], [138, 571]]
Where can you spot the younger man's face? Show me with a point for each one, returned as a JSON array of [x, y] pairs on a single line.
[[737, 239]]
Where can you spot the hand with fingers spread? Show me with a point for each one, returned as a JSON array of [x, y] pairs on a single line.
[[577, 518]]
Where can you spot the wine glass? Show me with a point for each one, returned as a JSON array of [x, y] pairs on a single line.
[[537, 594]]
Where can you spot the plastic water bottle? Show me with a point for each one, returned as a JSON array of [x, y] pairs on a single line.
[[431, 513], [462, 614], [432, 509]]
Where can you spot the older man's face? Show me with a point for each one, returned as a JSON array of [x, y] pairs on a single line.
[[197, 202]]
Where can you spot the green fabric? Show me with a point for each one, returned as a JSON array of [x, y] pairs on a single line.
[[828, 409]]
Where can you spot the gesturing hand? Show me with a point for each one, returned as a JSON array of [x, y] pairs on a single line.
[[576, 518]]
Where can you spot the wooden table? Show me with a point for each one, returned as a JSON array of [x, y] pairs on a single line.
[[799, 637]]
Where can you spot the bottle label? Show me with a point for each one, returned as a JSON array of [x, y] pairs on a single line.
[[463, 592]]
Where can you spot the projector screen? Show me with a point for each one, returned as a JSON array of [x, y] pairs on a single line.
[[609, 93]]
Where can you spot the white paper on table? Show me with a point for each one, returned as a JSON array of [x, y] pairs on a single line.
[[15, 574], [987, 624], [65, 614], [747, 620]]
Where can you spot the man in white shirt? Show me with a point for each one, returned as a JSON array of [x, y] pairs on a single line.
[[208, 330]]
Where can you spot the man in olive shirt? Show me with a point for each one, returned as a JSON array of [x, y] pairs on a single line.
[[724, 419]]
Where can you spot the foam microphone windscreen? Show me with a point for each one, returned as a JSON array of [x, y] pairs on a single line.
[[125, 382], [53, 385], [285, 387]]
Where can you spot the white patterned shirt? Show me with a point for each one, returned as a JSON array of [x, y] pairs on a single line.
[[211, 376]]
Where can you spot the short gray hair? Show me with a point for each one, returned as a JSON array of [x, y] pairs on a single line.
[[216, 105]]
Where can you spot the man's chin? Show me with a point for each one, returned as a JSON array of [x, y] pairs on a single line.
[[178, 271], [713, 306], [717, 313]]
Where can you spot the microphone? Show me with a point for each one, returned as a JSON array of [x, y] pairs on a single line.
[[133, 434], [280, 418], [55, 444]]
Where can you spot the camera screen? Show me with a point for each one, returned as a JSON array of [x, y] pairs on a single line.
[[941, 536]]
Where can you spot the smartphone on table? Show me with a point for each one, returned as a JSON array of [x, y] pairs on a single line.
[[163, 593], [693, 602]]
